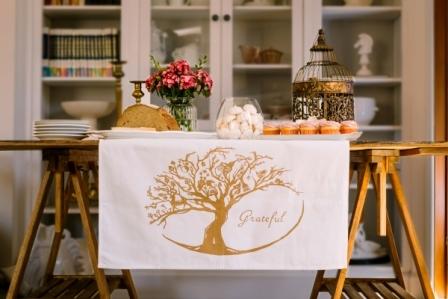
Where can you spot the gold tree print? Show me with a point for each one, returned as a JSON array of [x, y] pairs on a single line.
[[213, 183]]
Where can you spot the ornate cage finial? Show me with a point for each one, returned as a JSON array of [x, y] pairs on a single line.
[[321, 44]]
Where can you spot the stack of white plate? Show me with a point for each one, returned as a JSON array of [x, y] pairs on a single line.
[[57, 129]]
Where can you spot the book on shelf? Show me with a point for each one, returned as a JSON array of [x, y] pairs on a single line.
[[79, 52], [82, 2]]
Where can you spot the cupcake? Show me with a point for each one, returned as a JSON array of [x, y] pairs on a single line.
[[313, 120], [289, 128], [270, 129], [349, 126], [298, 122], [330, 127], [308, 128]]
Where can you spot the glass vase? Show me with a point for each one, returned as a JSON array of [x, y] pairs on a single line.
[[184, 112]]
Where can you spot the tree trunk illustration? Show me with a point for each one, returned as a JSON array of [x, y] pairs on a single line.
[[213, 241], [213, 183]]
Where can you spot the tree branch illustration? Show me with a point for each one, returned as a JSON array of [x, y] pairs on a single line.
[[213, 183]]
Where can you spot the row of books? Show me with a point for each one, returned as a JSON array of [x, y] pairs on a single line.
[[79, 52], [82, 2]]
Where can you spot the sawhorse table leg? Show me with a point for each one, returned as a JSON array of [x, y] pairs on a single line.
[[82, 286], [378, 165]]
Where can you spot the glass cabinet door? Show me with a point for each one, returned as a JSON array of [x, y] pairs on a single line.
[[254, 47], [186, 29], [260, 60]]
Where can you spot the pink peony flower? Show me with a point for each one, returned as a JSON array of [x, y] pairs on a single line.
[[171, 67], [187, 82], [205, 78], [182, 67], [169, 79], [177, 79], [151, 81]]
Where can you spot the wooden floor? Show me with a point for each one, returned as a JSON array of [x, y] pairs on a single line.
[[370, 289], [78, 287]]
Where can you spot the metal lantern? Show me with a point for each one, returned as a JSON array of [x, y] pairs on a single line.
[[323, 88]]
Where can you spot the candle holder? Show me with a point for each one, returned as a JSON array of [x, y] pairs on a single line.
[[117, 73], [138, 92]]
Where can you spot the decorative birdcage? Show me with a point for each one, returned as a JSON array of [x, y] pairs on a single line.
[[323, 88]]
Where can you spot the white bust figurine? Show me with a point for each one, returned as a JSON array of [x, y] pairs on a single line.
[[364, 45]]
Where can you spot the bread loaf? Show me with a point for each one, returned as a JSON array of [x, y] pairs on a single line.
[[144, 116]]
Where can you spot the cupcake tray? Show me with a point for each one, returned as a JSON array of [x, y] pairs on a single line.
[[351, 137]]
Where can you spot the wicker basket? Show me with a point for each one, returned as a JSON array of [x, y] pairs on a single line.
[[271, 56]]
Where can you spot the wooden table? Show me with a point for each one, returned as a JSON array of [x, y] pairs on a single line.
[[375, 161], [68, 164], [371, 160]]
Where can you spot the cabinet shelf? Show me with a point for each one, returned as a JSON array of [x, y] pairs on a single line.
[[374, 270], [82, 11], [52, 210], [279, 12], [361, 12], [380, 128], [261, 67], [78, 81], [371, 271], [377, 81], [183, 12], [353, 186]]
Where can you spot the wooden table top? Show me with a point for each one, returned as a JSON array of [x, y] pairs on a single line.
[[23, 145], [405, 146]]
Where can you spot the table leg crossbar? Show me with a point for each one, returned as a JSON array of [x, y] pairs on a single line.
[[375, 166], [97, 286]]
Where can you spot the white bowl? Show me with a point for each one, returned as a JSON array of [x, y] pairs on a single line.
[[358, 2], [88, 110], [365, 110]]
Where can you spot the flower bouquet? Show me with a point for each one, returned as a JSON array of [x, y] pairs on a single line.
[[178, 84]]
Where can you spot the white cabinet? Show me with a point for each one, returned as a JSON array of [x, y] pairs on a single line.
[[50, 91], [383, 22], [290, 27], [224, 27]]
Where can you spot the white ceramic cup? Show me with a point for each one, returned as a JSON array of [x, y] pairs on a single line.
[[365, 110]]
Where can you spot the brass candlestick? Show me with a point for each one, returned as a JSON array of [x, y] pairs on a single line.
[[117, 72], [138, 92]]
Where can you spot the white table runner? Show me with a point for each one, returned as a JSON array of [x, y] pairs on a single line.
[[223, 204]]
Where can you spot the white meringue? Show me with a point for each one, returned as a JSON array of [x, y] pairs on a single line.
[[228, 118], [250, 108], [234, 125], [244, 126], [224, 133], [244, 123], [235, 110], [234, 133]]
